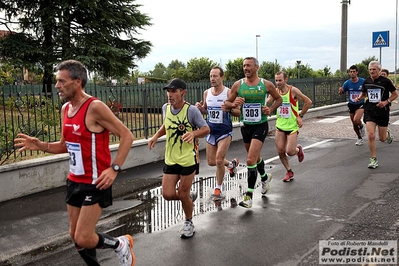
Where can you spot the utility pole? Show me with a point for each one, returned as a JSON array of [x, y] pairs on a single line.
[[298, 64], [344, 35], [396, 41]]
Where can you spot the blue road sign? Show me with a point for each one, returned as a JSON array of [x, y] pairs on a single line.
[[380, 39]]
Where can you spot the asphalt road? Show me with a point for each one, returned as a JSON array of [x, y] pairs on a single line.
[[334, 196]]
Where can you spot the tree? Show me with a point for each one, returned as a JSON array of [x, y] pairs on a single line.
[[292, 72], [8, 74], [234, 69], [133, 78], [327, 71], [367, 61], [176, 64], [99, 33], [267, 70], [20, 50], [198, 69], [363, 70], [175, 69], [363, 67], [159, 71], [340, 74]]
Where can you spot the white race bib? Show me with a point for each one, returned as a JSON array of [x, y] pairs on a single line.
[[215, 114], [252, 112], [354, 94], [284, 110], [75, 158], [374, 95]]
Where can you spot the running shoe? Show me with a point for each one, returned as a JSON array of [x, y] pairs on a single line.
[[247, 202], [288, 177], [301, 155], [362, 131], [217, 194], [359, 142], [187, 229], [218, 205], [233, 203], [373, 163], [193, 195], [266, 184], [125, 251], [390, 136], [233, 170]]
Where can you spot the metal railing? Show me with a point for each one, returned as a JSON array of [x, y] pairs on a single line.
[[25, 108]]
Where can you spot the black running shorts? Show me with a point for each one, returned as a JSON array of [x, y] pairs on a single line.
[[80, 194], [258, 132], [354, 107], [177, 169], [380, 117]]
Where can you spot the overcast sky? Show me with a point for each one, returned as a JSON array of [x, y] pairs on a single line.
[[290, 30]]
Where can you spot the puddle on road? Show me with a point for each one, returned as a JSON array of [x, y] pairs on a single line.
[[156, 214]]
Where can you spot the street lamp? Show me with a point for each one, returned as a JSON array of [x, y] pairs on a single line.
[[299, 67], [257, 36]]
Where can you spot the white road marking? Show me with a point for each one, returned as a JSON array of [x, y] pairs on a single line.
[[396, 123], [305, 148], [331, 120], [244, 170]]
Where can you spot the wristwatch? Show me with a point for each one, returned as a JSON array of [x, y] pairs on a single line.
[[389, 101], [301, 115], [116, 167]]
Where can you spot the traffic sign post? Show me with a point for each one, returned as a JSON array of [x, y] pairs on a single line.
[[380, 39]]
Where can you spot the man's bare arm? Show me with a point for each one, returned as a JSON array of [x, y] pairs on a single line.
[[277, 100]]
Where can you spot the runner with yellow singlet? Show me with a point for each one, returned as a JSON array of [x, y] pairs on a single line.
[[289, 120], [250, 94], [183, 125], [176, 150]]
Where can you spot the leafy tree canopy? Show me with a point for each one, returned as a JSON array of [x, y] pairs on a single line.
[[101, 34], [8, 74], [268, 69], [176, 65], [234, 69], [199, 68]]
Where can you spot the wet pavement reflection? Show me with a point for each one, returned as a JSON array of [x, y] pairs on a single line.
[[156, 214]]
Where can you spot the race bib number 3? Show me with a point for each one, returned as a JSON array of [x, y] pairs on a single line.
[[252, 112], [75, 158]]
